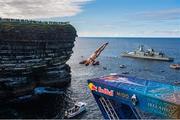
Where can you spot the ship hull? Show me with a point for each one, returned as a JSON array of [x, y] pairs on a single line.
[[148, 57], [122, 97]]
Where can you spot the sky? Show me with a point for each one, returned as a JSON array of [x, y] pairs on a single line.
[[103, 18]]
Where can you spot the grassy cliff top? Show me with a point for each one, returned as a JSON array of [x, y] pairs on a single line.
[[19, 23], [24, 21], [19, 27]]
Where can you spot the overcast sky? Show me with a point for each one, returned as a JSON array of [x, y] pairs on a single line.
[[112, 18]]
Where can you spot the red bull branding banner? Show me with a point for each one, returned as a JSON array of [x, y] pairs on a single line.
[[105, 91]]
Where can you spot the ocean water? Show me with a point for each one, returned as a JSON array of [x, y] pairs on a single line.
[[51, 106], [111, 59]]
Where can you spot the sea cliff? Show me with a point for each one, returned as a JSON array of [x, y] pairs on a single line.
[[32, 54]]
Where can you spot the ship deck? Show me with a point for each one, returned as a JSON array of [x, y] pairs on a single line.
[[148, 57]]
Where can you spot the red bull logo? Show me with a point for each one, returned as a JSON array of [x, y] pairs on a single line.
[[92, 87], [105, 91]]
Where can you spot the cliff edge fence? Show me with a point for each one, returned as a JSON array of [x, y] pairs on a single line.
[[32, 54]]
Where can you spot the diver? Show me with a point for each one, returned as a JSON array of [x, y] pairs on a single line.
[[92, 58]]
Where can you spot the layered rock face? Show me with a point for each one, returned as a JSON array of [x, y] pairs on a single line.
[[34, 54]]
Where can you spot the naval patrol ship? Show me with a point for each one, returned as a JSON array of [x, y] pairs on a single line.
[[150, 54]]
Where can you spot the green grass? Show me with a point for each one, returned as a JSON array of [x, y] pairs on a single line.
[[11, 25]]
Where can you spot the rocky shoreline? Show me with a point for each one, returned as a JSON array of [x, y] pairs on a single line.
[[32, 54]]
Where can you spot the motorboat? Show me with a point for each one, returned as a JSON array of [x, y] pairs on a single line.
[[78, 108], [175, 66]]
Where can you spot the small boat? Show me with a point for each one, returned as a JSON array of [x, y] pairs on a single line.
[[122, 66], [77, 109], [175, 66], [125, 72]]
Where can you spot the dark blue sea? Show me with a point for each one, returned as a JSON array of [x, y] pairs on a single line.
[[111, 59], [53, 106]]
